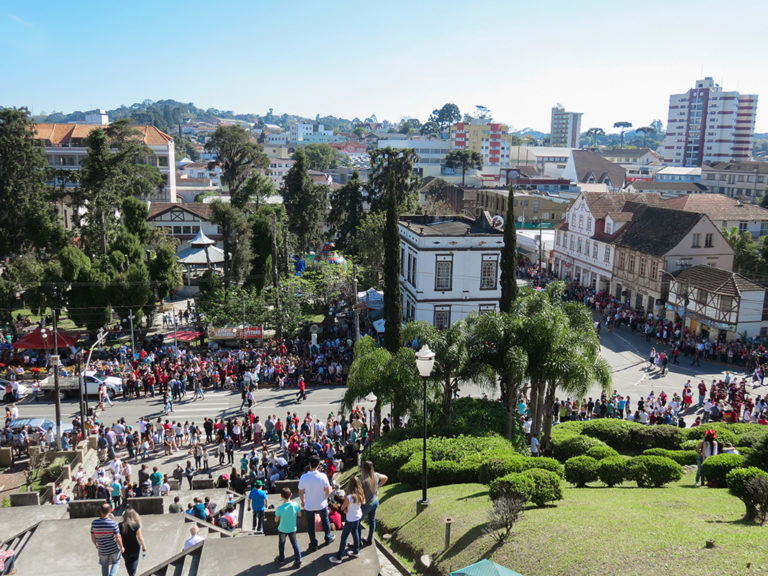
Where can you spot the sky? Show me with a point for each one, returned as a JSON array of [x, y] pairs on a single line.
[[611, 60]]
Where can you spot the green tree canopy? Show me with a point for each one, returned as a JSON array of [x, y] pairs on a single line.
[[464, 159], [346, 211], [236, 240], [240, 157], [320, 156], [305, 202]]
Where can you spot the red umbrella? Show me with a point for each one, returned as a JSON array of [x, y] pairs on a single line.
[[35, 341]]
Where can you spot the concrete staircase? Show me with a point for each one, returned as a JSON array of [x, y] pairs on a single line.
[[183, 564], [18, 541]]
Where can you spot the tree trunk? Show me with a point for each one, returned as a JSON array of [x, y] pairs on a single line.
[[377, 417], [540, 398], [533, 406], [447, 399], [511, 413], [549, 407]]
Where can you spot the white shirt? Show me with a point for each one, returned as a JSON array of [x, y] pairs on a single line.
[[314, 483], [354, 509], [192, 541]]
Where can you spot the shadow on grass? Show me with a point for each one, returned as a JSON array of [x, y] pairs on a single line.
[[739, 522], [472, 535], [478, 494], [396, 489]]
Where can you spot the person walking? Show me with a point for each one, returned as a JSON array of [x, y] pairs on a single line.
[[257, 500], [286, 514], [133, 541], [353, 503], [314, 489], [371, 481], [105, 535]]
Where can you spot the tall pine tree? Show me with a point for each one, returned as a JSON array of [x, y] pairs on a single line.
[[509, 258]]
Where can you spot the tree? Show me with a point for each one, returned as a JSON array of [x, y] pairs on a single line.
[[240, 158], [447, 115], [747, 259], [368, 246], [409, 126], [390, 165], [509, 258], [305, 203], [346, 211], [27, 218], [623, 125], [320, 156], [135, 214], [431, 129], [392, 175], [593, 134], [261, 243], [164, 271], [464, 159], [236, 240], [113, 170], [645, 130]]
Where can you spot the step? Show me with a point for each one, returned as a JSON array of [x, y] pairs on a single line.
[[195, 563]]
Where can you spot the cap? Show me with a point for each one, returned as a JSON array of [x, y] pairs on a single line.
[[259, 483]]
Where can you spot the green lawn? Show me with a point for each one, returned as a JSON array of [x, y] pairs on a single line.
[[64, 323], [608, 531]]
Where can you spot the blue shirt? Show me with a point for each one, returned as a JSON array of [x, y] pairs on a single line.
[[258, 498], [105, 530], [287, 512]]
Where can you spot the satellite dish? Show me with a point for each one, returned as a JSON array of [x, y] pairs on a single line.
[[497, 221], [313, 329]]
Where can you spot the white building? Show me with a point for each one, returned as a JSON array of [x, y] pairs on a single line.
[[278, 168], [449, 267], [183, 221], [431, 152], [718, 303], [304, 130], [565, 128], [65, 148], [707, 124]]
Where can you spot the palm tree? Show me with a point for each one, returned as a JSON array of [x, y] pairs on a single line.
[[464, 159], [451, 354], [623, 126], [497, 345]]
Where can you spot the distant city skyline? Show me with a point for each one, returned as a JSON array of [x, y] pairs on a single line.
[[609, 60]]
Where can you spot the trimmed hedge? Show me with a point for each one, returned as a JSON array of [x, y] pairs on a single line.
[[581, 470], [725, 432], [495, 468], [440, 472], [737, 480], [570, 446], [612, 471], [759, 455], [653, 471], [682, 457], [601, 452], [536, 485], [716, 468], [632, 437]]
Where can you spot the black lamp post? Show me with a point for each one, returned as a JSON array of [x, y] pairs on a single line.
[[425, 362]]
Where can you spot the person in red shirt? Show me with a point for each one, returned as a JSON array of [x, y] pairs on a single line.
[[302, 395]]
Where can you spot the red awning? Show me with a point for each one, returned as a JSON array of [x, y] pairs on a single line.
[[35, 341], [187, 335]]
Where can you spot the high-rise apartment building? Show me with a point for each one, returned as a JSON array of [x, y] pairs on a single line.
[[564, 128], [707, 124], [492, 140]]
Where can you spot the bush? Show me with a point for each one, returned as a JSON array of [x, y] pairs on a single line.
[[53, 470], [613, 432], [715, 468], [752, 438], [682, 457], [759, 455], [612, 471], [737, 481], [725, 433], [547, 486], [516, 485], [601, 452], [490, 470], [653, 471], [689, 444], [571, 446], [663, 436], [502, 517], [440, 472], [757, 492], [388, 457], [581, 470], [472, 414]]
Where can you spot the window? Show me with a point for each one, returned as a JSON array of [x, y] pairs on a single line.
[[443, 272], [594, 250], [177, 229], [642, 266], [696, 241], [581, 221], [589, 223], [631, 264], [607, 253], [708, 240], [486, 308], [442, 319], [578, 246], [162, 161], [742, 227], [622, 259], [571, 244], [402, 261], [726, 303], [701, 296], [654, 271], [488, 272], [608, 227]]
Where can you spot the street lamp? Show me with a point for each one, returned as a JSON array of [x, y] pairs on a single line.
[[131, 318], [425, 362]]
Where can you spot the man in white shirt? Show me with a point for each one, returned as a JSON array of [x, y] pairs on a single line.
[[194, 539], [314, 489]]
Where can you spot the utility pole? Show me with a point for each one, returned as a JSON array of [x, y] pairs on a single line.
[[275, 275], [285, 246], [56, 391], [133, 345], [357, 308]]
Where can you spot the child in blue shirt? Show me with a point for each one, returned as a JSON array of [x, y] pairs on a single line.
[[257, 500], [287, 513]]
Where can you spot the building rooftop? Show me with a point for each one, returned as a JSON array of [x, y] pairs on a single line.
[[425, 225], [680, 171], [64, 134], [717, 207], [199, 209], [602, 203], [655, 230], [761, 167], [692, 188], [592, 166], [626, 152], [716, 280]]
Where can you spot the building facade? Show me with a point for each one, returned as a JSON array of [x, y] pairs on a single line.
[[565, 128], [491, 140], [431, 152], [449, 267], [707, 124], [744, 180]]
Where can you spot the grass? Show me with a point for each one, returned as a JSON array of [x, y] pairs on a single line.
[[595, 530], [64, 323]]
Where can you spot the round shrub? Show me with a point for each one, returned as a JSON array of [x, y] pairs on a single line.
[[613, 432], [547, 486], [716, 468], [515, 485], [612, 470], [752, 438], [759, 455], [489, 470], [724, 432], [389, 457], [581, 470], [645, 437], [653, 471], [689, 444], [571, 446], [545, 464], [600, 452], [682, 457], [737, 480]]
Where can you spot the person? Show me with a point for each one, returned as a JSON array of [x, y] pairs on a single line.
[[194, 538], [314, 489], [286, 514], [105, 535], [257, 500], [534, 445], [706, 448], [353, 503], [133, 541], [176, 507], [7, 561], [156, 480], [371, 481], [729, 449]]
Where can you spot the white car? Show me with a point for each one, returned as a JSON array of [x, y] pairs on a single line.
[[93, 382]]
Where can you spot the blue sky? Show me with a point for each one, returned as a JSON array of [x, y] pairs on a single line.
[[612, 61]]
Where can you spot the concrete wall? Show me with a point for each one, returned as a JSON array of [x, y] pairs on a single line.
[[25, 499], [85, 508], [147, 505]]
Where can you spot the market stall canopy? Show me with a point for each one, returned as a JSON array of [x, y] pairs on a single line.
[[187, 335], [35, 341], [485, 568]]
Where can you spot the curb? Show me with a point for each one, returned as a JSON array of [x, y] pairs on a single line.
[[391, 557]]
